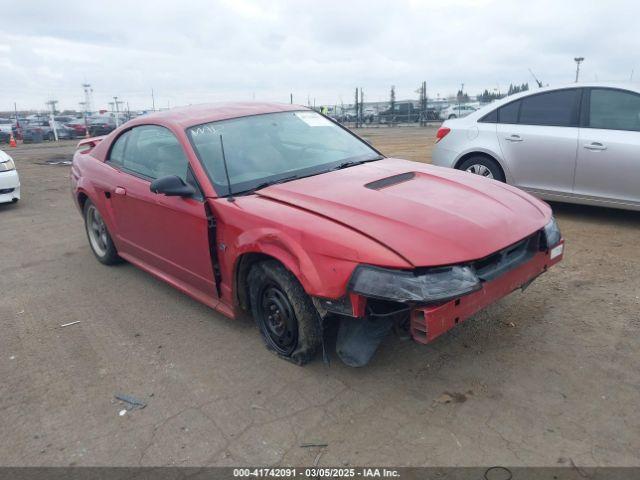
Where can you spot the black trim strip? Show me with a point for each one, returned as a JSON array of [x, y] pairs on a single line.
[[389, 181]]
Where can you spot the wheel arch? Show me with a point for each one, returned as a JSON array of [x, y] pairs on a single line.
[[481, 153], [82, 197], [282, 250]]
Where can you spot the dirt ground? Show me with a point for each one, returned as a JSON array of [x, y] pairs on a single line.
[[550, 376]]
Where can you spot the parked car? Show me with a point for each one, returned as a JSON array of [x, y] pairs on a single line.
[[578, 144], [9, 180], [64, 132], [5, 132], [457, 111], [35, 133], [277, 210], [79, 126], [102, 126]]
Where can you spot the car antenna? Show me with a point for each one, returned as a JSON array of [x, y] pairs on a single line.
[[536, 79], [226, 171]]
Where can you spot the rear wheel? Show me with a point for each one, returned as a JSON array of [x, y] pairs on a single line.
[[483, 166], [286, 317], [452, 116], [99, 238]]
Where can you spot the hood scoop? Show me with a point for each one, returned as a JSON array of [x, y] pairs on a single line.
[[389, 181]]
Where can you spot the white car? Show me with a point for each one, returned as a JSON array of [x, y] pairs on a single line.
[[9, 180], [457, 111], [579, 143]]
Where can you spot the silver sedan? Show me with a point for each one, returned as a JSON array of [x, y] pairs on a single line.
[[578, 144]]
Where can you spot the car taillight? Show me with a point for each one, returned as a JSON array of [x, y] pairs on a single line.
[[441, 133]]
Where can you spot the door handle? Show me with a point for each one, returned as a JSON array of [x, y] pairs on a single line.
[[514, 138], [595, 146], [120, 191]]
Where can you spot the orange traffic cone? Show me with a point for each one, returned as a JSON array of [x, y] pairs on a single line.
[[12, 141]]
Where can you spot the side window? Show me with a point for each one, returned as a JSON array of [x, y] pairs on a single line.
[[558, 108], [614, 109], [154, 152], [116, 156], [509, 113], [491, 117]]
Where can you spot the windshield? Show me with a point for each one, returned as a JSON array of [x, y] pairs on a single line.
[[264, 149]]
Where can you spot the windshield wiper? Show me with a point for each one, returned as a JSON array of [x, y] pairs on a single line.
[[273, 182], [351, 163]]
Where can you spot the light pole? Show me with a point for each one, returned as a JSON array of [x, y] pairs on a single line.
[[578, 61], [52, 121]]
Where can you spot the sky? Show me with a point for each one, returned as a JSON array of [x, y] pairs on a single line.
[[195, 51]]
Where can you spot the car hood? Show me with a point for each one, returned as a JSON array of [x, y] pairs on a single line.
[[428, 215]]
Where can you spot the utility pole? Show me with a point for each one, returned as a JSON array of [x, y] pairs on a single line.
[[361, 106], [578, 61], [52, 121], [423, 104], [356, 106], [392, 103], [18, 127], [87, 97], [291, 98], [117, 105], [153, 101]]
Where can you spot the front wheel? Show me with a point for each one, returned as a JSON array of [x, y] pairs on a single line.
[[483, 166], [452, 116], [286, 317], [99, 238]]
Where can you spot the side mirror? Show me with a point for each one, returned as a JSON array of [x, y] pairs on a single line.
[[172, 186]]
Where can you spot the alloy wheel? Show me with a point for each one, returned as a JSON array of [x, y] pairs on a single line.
[[97, 231], [479, 169]]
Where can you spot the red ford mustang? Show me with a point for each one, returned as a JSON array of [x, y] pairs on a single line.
[[279, 211]]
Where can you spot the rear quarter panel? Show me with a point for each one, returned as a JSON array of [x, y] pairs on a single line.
[[94, 179], [467, 137]]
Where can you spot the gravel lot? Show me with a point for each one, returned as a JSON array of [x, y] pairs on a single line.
[[550, 376]]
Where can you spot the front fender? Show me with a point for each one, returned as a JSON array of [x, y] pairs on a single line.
[[318, 276]]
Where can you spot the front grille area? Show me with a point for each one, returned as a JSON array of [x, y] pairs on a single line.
[[507, 259], [4, 191]]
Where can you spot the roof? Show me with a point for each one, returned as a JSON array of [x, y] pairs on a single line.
[[183, 117], [631, 86]]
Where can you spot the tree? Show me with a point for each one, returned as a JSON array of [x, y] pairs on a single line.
[[462, 97], [487, 96]]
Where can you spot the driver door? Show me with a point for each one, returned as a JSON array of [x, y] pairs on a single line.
[[167, 235]]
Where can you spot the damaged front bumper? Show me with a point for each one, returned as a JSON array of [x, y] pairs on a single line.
[[429, 322], [429, 301]]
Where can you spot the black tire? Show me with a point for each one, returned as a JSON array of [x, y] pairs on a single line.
[[105, 252], [294, 332], [51, 137], [480, 160], [452, 116]]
